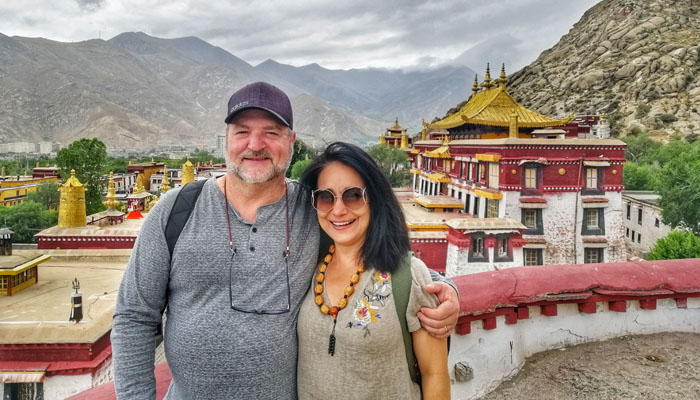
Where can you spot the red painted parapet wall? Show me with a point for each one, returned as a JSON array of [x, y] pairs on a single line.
[[509, 292]]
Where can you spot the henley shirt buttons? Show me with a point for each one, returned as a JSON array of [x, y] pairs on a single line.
[[252, 248], [255, 229]]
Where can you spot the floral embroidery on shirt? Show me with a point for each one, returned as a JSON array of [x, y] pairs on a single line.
[[373, 298]]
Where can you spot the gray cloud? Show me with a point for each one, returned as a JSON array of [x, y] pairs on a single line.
[[360, 33]]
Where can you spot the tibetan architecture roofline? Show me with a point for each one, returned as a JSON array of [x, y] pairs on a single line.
[[489, 194], [544, 142], [486, 224], [24, 266], [439, 177], [440, 152], [438, 201], [495, 107]]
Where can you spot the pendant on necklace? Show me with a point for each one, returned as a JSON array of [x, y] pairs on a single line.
[[331, 340]]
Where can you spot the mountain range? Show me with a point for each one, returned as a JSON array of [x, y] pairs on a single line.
[[638, 61], [138, 91]]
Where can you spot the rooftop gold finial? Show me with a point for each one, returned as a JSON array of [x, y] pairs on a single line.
[[71, 209], [111, 202], [503, 79], [396, 124], [475, 88], [187, 172], [487, 79], [165, 186], [140, 186]]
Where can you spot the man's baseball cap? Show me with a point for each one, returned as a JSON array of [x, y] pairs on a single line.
[[263, 96]]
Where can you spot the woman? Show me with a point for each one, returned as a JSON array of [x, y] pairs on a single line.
[[350, 340]]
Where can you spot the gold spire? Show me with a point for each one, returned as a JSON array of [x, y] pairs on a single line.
[[187, 172], [487, 79], [140, 187], [165, 186], [382, 140], [475, 88], [129, 162], [111, 203], [424, 131], [37, 164], [446, 139], [150, 204], [404, 140], [396, 125], [71, 209], [503, 79]]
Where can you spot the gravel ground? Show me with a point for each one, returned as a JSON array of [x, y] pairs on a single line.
[[659, 366]]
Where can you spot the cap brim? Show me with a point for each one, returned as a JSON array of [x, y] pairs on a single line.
[[233, 114]]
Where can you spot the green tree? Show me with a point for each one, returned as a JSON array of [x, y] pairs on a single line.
[[26, 219], [678, 184], [46, 194], [301, 152], [640, 146], [88, 157], [299, 167], [638, 176], [394, 163], [677, 244]]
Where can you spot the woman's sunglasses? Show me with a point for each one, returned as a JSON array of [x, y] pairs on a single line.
[[353, 197]]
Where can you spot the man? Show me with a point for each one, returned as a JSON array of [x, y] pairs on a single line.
[[238, 273]]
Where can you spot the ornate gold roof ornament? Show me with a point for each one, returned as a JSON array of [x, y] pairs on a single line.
[[150, 204], [111, 203], [396, 126], [140, 186], [152, 160], [424, 131], [129, 162], [187, 172], [503, 79], [475, 88], [37, 164], [165, 186], [71, 208], [446, 139], [487, 79], [382, 140]]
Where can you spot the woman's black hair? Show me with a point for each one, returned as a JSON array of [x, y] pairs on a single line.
[[386, 242]]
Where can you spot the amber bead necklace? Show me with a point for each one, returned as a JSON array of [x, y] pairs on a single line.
[[342, 303]]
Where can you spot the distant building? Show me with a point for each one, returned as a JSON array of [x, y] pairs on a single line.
[[643, 224], [504, 162], [146, 170], [396, 136], [13, 189], [221, 146]]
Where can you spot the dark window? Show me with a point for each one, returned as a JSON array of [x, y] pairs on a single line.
[[627, 232], [593, 221], [656, 222], [467, 197], [593, 181], [632, 236], [629, 210], [532, 256], [476, 207], [592, 255], [502, 252], [639, 238], [531, 179], [639, 216], [24, 391], [532, 219], [478, 251]]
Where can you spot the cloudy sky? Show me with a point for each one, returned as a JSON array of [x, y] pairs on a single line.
[[334, 34]]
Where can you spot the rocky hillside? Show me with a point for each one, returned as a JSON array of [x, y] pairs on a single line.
[[637, 60]]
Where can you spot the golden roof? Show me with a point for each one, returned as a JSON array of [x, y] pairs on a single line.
[[72, 181], [440, 177], [494, 107], [440, 152]]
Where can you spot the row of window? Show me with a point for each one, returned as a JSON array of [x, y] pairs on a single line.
[[639, 235], [17, 279], [639, 216], [503, 253], [531, 177]]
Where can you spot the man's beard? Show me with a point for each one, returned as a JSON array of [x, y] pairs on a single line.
[[275, 171]]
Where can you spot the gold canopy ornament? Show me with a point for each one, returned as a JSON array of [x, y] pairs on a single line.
[[165, 186], [140, 185], [71, 208], [187, 172], [111, 203]]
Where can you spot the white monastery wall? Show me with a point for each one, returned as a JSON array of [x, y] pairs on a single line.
[[498, 354], [58, 387]]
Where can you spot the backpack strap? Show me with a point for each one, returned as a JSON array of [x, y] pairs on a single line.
[[401, 288], [180, 213]]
